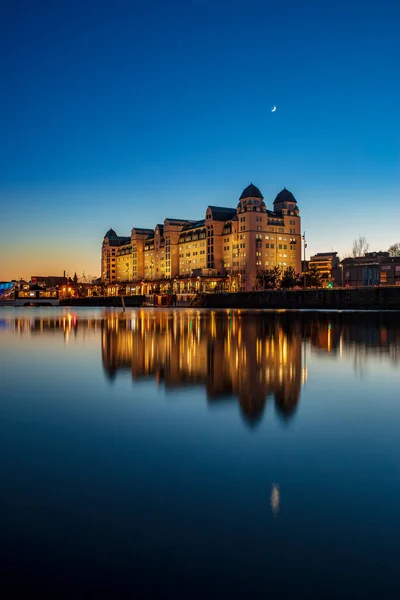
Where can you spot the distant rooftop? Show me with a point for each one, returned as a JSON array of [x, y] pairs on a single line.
[[194, 225], [141, 230], [179, 220]]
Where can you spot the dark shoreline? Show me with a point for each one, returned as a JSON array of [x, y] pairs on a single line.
[[371, 298]]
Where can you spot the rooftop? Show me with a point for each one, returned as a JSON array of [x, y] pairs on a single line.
[[110, 233], [141, 230], [222, 213], [285, 196], [251, 192]]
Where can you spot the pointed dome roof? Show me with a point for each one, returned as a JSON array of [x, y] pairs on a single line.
[[285, 196], [110, 233], [251, 192]]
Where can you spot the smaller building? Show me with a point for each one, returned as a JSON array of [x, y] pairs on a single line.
[[375, 268], [325, 263], [49, 281]]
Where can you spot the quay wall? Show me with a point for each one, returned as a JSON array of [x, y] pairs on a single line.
[[116, 301], [368, 298], [378, 298]]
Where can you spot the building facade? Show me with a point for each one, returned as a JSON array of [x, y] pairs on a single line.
[[109, 248], [375, 268], [325, 263], [225, 250]]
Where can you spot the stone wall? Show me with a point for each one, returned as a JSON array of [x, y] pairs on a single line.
[[116, 301], [361, 298]]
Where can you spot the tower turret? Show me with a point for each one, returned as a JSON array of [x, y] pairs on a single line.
[[251, 200]]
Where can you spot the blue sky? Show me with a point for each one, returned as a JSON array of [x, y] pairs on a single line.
[[122, 113]]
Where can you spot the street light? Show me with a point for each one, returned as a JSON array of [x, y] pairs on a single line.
[[304, 260], [341, 266]]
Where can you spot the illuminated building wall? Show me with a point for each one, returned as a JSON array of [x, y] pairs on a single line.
[[325, 263], [109, 248]]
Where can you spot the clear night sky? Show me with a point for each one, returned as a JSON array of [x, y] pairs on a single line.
[[121, 113]]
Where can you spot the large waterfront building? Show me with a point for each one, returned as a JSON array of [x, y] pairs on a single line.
[[225, 250]]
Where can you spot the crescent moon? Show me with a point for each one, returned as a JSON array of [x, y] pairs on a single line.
[[274, 109]]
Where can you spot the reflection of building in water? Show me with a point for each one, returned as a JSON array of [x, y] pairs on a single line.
[[275, 500], [68, 324], [354, 334], [324, 336], [244, 354], [249, 356]]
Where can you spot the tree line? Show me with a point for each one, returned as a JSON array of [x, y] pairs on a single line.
[[273, 279], [361, 246]]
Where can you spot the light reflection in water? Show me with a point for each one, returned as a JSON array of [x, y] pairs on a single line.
[[249, 355], [229, 355], [104, 482], [275, 500]]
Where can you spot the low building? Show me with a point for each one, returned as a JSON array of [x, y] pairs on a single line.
[[375, 268], [49, 281], [325, 263]]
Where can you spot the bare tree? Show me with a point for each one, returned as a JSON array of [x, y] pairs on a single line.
[[394, 249], [87, 278], [360, 246]]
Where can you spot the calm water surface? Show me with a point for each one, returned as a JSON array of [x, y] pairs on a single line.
[[189, 453]]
